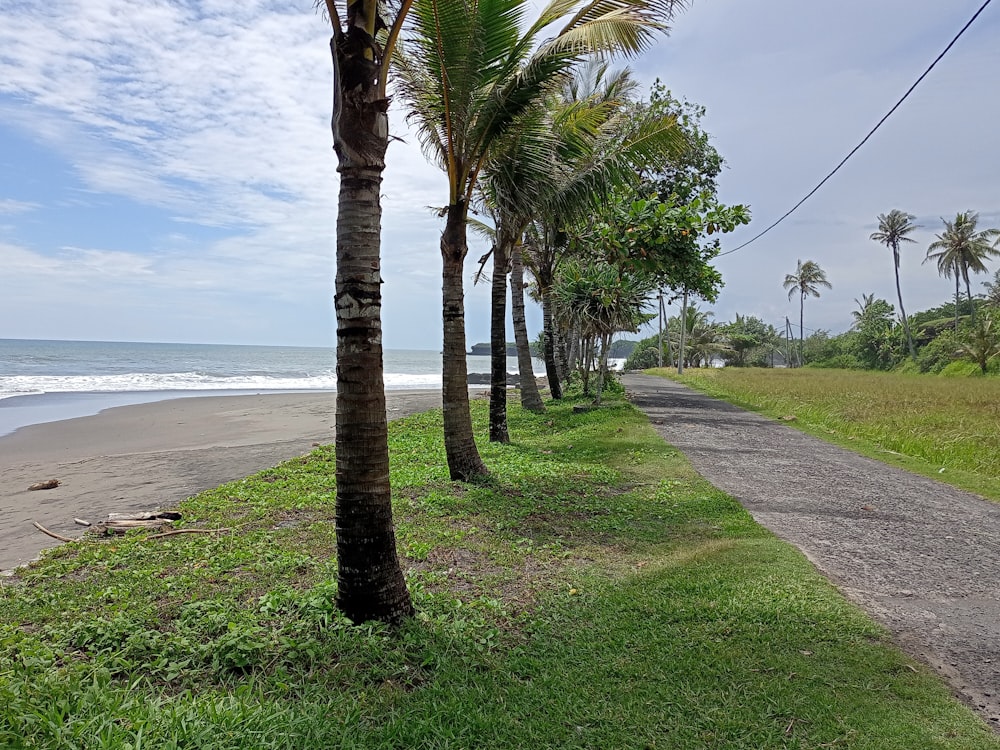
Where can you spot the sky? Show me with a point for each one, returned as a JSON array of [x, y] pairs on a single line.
[[167, 172]]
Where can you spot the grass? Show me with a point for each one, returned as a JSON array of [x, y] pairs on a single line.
[[945, 428], [595, 593]]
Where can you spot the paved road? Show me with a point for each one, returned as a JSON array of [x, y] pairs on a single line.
[[921, 557]]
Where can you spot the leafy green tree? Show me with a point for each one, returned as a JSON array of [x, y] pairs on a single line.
[[928, 324], [370, 583], [805, 282], [823, 350], [695, 172], [962, 248], [875, 342], [981, 341], [746, 336], [893, 229], [992, 300], [644, 355], [939, 352], [470, 71]]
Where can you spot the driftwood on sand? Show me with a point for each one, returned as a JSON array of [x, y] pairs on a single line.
[[120, 523], [52, 533], [46, 484]]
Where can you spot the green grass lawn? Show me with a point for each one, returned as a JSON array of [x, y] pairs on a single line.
[[596, 593], [946, 428]]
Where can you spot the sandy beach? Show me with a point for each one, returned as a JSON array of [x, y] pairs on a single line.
[[152, 456]]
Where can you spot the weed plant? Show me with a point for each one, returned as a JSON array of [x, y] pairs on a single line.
[[594, 593], [944, 427]]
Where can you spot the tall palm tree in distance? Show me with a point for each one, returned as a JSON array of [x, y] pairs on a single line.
[[806, 281], [961, 248], [892, 230]]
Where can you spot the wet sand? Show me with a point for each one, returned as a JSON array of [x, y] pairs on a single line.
[[153, 455]]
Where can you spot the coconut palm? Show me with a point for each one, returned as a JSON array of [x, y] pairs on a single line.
[[469, 73], [531, 399], [892, 230], [864, 307], [960, 248], [982, 341], [806, 281], [370, 584]]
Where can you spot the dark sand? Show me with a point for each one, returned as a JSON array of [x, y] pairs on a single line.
[[151, 456]]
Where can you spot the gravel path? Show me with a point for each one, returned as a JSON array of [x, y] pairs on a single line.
[[921, 557]]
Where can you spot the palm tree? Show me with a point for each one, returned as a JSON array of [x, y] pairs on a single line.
[[531, 399], [982, 342], [370, 583], [960, 248], [892, 230], [561, 160], [864, 306], [806, 280], [469, 74]]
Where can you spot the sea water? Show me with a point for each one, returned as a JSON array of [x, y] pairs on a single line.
[[44, 381]]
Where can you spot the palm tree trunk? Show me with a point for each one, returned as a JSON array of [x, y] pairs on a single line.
[[464, 462], [968, 294], [602, 370], [902, 312], [684, 325], [548, 326], [531, 399], [802, 329], [562, 355], [956, 299], [498, 345], [659, 335], [370, 583], [574, 349]]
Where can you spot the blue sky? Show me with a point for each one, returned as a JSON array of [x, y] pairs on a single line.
[[166, 171]]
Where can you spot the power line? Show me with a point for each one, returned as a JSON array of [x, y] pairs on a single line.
[[870, 134]]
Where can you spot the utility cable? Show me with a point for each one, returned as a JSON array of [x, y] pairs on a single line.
[[870, 134]]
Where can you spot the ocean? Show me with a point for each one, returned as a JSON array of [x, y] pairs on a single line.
[[45, 381]]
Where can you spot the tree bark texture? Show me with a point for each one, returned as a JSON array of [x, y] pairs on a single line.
[[802, 329], [956, 300], [902, 312], [531, 399], [562, 355], [464, 462], [370, 583], [602, 370], [498, 344], [548, 326], [574, 349], [680, 346]]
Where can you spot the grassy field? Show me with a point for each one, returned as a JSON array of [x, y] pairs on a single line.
[[946, 428], [596, 593]]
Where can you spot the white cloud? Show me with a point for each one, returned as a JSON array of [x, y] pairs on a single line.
[[11, 207], [218, 115]]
